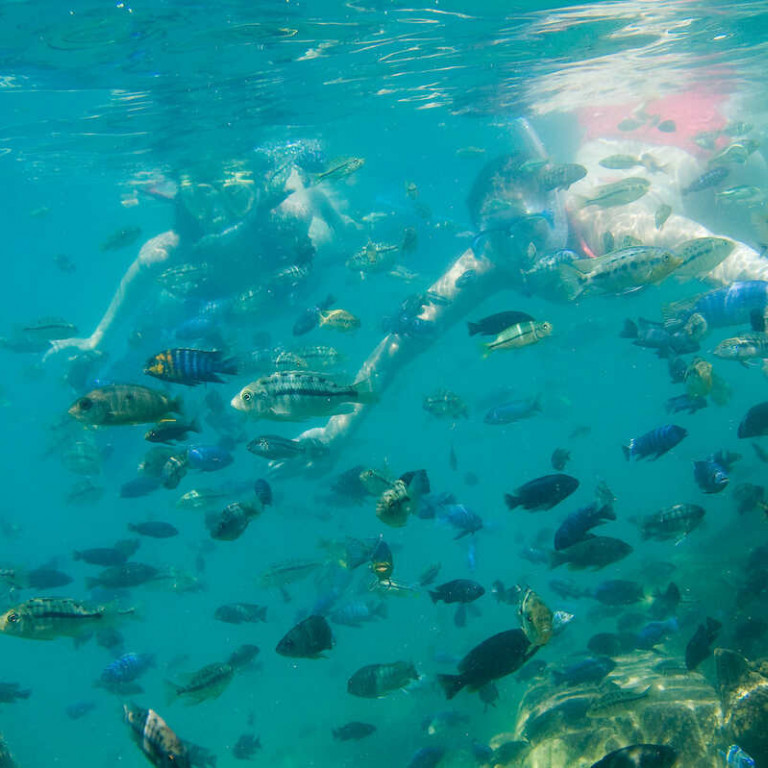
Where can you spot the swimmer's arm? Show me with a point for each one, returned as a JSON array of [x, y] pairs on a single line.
[[154, 251], [451, 304]]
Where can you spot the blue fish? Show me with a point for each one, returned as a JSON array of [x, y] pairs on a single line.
[[208, 458], [80, 709], [427, 757], [707, 179], [591, 670], [686, 402], [460, 517], [733, 305], [710, 475], [654, 443], [574, 528], [190, 366], [654, 632], [139, 486], [127, 668], [514, 410]]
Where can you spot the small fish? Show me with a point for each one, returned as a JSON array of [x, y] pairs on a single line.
[[457, 591], [190, 366], [429, 574], [160, 745], [46, 618], [338, 169], [576, 526], [298, 395], [246, 746], [672, 522], [118, 404], [559, 459], [639, 756], [120, 238], [560, 176], [666, 126], [308, 319], [592, 552], [208, 458], [241, 613], [168, 431], [130, 574], [126, 669], [710, 476], [620, 162], [493, 325], [374, 257], [517, 336], [685, 402], [374, 681], [755, 423], [619, 192], [494, 658], [655, 443], [445, 404], [338, 320], [353, 731], [307, 640], [662, 214], [426, 757], [232, 521], [515, 410], [154, 529], [209, 682], [707, 180], [536, 618], [543, 492], [629, 124], [743, 348], [590, 670], [618, 592], [700, 645], [655, 632], [701, 255]]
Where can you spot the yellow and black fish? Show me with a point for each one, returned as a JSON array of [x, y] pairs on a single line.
[[190, 366], [160, 745]]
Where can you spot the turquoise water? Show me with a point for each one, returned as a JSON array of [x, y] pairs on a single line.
[[104, 103]]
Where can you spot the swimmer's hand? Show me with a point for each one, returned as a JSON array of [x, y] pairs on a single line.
[[158, 248]]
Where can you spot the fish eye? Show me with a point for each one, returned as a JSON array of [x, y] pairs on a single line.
[[85, 403], [12, 617], [246, 396]]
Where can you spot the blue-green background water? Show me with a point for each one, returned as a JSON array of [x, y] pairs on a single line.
[[93, 96]]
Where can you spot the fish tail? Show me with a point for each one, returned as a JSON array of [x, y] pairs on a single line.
[[473, 328], [512, 501], [573, 281], [627, 449], [261, 613], [451, 684], [171, 692], [674, 309], [366, 392], [434, 595], [556, 559], [176, 405], [485, 349], [228, 365]]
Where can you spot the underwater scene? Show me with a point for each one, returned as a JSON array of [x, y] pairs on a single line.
[[384, 384]]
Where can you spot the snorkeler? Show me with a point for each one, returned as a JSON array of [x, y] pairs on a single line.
[[519, 224], [233, 230]]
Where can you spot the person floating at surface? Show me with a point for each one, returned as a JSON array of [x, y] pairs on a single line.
[[520, 222]]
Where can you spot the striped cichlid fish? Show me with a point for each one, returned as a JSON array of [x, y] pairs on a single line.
[[117, 404], [189, 366], [300, 395], [46, 618], [207, 683], [519, 335], [160, 745], [747, 346], [619, 192]]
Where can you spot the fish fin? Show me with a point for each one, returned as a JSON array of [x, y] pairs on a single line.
[[435, 596], [171, 692], [672, 310], [327, 303], [627, 450], [261, 613], [573, 281], [512, 501], [556, 559], [228, 366], [473, 328], [630, 330], [176, 405], [451, 684]]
